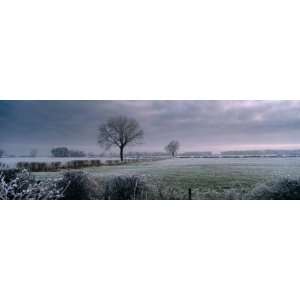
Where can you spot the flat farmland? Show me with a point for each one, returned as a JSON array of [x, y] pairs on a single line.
[[205, 176]]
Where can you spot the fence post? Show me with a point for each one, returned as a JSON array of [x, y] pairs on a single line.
[[190, 194]]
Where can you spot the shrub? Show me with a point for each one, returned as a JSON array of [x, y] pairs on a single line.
[[7, 173], [162, 191], [25, 187], [233, 194], [169, 193], [38, 167], [54, 166], [78, 186], [124, 188], [281, 189], [96, 163], [23, 165]]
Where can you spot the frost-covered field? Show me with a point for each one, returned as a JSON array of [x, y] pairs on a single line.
[[204, 174], [207, 178]]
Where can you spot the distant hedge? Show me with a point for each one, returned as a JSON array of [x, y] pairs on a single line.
[[55, 166], [72, 164]]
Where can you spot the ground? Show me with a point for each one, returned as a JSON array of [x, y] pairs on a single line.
[[204, 175]]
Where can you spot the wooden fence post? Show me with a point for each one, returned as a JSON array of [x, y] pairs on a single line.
[[190, 194]]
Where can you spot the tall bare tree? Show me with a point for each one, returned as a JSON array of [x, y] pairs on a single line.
[[120, 131], [172, 148]]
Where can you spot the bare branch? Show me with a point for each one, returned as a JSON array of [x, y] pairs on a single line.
[[119, 131]]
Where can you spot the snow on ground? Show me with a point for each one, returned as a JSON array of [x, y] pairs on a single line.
[[201, 173]]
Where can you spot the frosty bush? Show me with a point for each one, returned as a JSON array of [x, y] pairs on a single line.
[[78, 186], [7, 173], [161, 191], [284, 188], [124, 188], [25, 187]]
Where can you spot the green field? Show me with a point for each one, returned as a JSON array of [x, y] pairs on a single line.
[[207, 177]]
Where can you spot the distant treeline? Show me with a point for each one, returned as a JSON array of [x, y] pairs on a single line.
[[196, 153], [145, 154], [263, 152], [65, 152], [242, 153]]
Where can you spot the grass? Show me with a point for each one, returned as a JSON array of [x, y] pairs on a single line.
[[203, 175]]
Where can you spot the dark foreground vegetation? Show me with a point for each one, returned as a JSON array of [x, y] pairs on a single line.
[[18, 184]]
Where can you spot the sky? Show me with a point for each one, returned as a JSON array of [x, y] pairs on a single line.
[[197, 125]]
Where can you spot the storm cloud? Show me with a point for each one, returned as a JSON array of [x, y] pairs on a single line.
[[198, 125]]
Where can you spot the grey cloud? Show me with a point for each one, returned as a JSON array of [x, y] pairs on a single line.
[[197, 124]]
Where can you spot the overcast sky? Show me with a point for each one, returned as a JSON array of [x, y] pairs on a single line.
[[197, 125]]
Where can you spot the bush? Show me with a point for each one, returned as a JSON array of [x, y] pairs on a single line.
[[124, 188], [25, 187], [281, 189], [38, 167], [96, 163], [78, 186], [54, 166], [23, 165], [158, 190], [7, 173]]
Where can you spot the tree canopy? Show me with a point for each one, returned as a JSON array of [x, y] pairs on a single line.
[[120, 131]]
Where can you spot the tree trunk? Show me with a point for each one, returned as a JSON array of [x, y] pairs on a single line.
[[121, 153]]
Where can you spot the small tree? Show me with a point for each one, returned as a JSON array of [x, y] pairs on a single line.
[[119, 131], [172, 148], [33, 153], [1, 152], [60, 152]]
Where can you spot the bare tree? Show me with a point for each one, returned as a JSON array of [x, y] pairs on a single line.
[[119, 131], [1, 152], [33, 153], [172, 148]]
